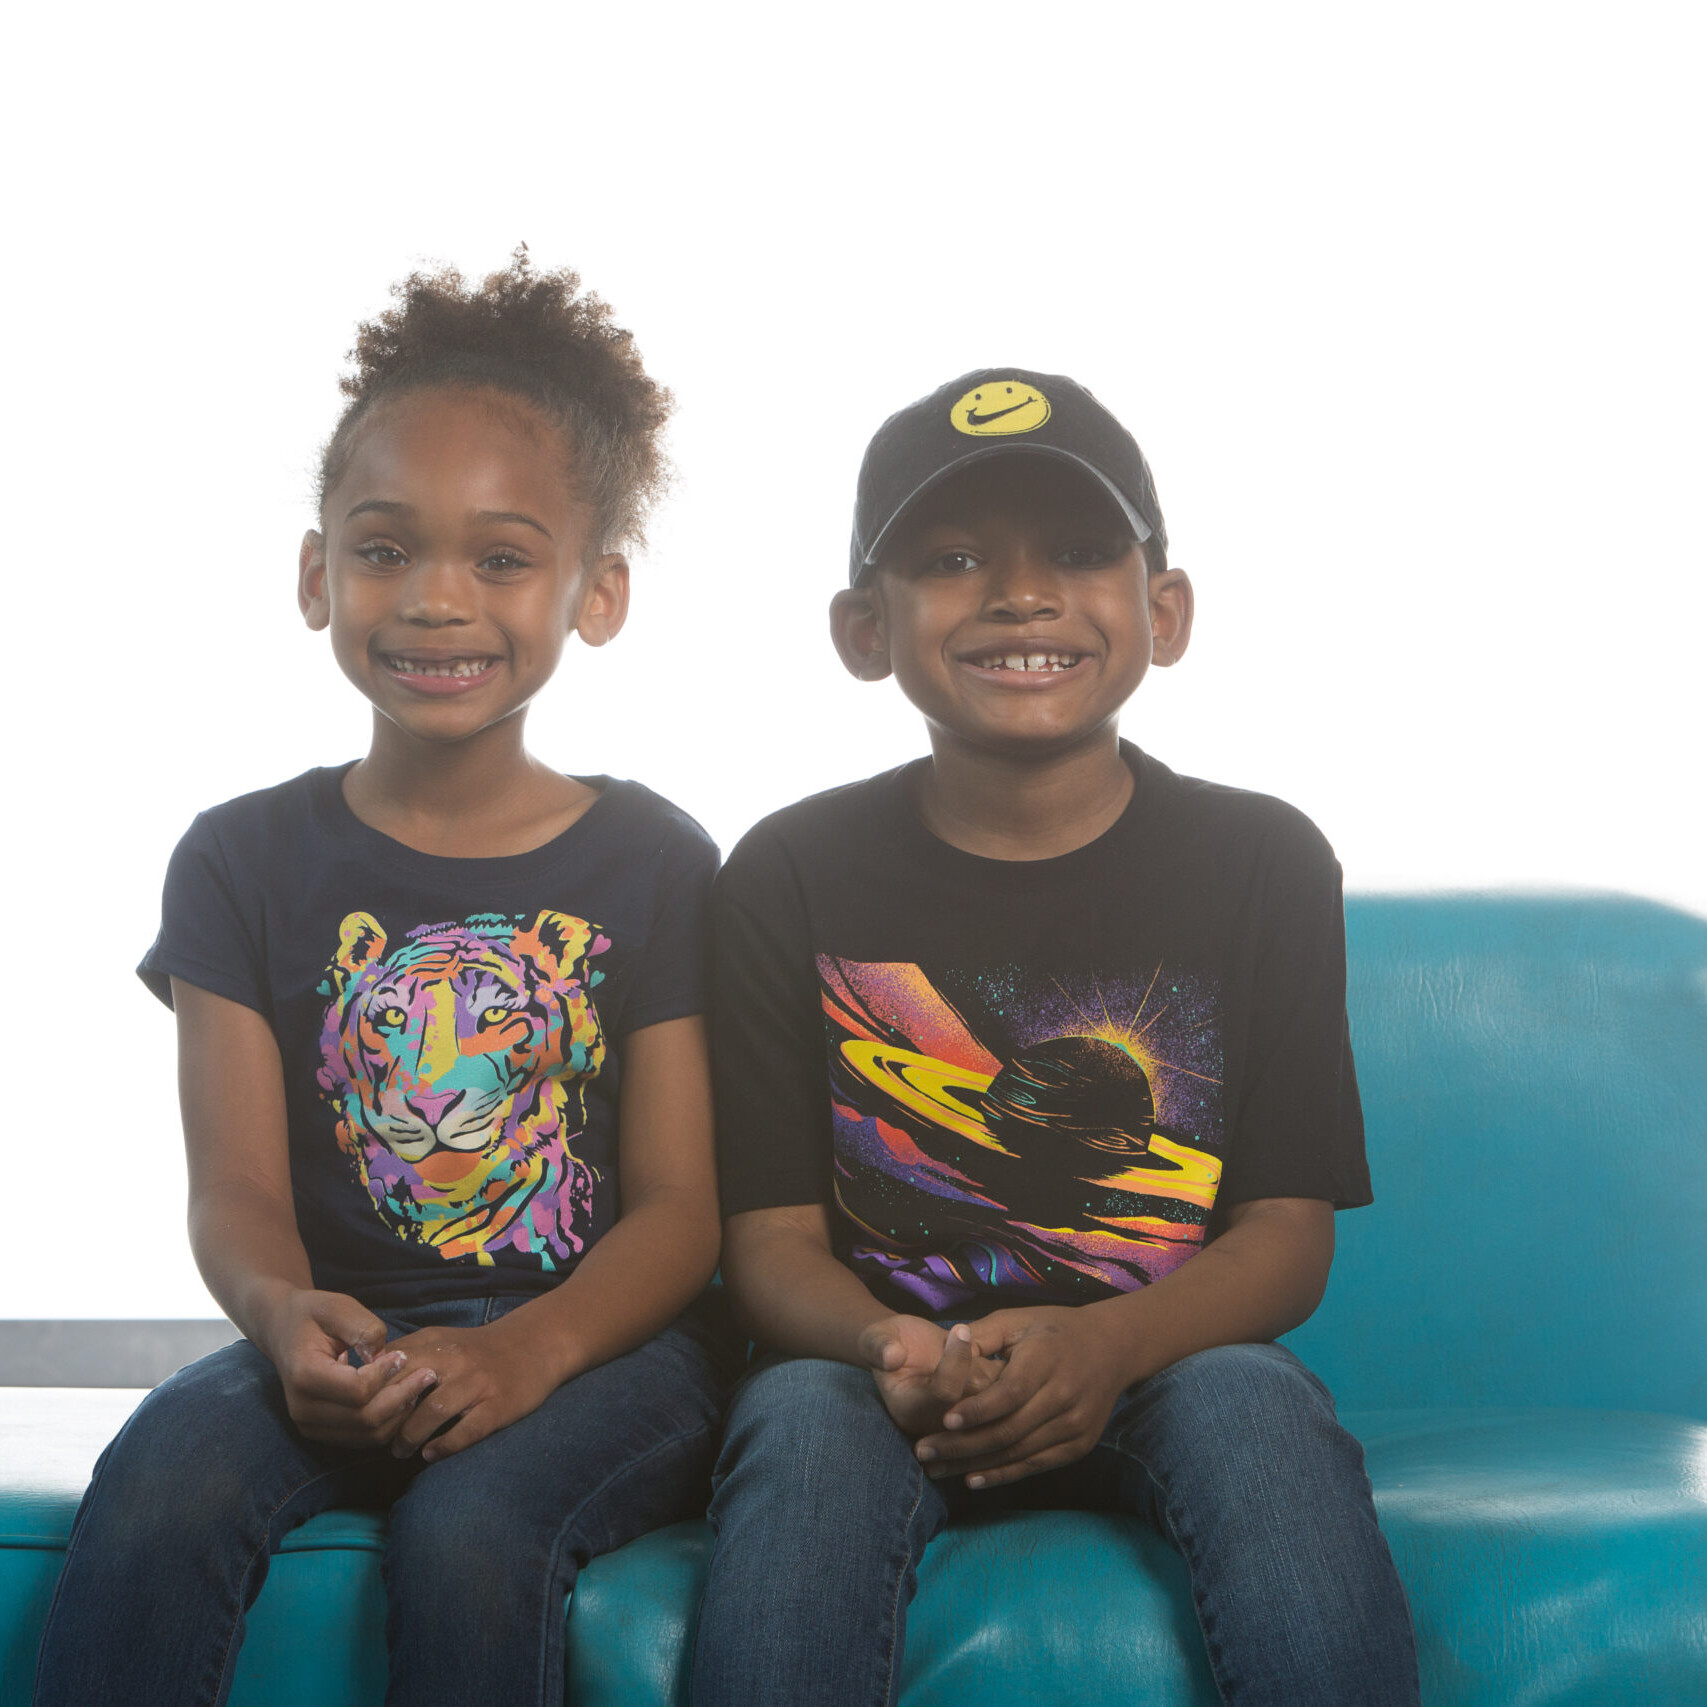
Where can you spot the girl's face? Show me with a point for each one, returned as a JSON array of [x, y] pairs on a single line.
[[455, 562]]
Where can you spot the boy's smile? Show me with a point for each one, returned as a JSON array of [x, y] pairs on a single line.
[[1015, 609], [455, 563]]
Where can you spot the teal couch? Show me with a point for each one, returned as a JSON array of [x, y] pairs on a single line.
[[1517, 1331]]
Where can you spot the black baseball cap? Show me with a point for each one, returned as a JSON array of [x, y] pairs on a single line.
[[996, 411]]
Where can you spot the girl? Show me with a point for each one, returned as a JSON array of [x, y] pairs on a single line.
[[442, 1064]]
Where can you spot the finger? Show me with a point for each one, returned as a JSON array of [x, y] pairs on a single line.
[[385, 1412], [473, 1425], [996, 1331], [443, 1405], [329, 1382], [880, 1348], [984, 1370], [948, 1379], [350, 1323], [1014, 1386], [1048, 1432], [1032, 1464], [962, 1446]]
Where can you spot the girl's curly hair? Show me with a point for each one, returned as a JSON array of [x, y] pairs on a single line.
[[538, 337]]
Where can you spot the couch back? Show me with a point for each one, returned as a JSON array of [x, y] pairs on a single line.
[[1534, 1078]]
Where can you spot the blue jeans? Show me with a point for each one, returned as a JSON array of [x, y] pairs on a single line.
[[187, 1505], [1234, 1455]]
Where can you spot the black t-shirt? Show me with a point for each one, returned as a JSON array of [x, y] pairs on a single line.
[[451, 1029], [1032, 1081]]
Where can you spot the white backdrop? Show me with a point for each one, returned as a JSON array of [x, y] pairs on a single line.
[[1405, 305]]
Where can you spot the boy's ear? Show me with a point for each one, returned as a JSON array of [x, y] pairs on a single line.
[[603, 607], [856, 626], [1171, 608], [311, 597]]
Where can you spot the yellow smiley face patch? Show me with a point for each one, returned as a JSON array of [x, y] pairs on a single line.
[[1000, 406]]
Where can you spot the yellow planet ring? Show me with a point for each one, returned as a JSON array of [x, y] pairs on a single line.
[[918, 1082]]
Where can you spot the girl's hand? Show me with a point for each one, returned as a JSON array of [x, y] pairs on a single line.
[[486, 1378], [332, 1398], [921, 1369], [1047, 1407]]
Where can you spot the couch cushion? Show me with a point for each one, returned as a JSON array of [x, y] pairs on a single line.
[[1534, 1076], [1552, 1557]]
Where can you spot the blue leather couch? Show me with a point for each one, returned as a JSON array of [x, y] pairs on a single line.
[[1517, 1331]]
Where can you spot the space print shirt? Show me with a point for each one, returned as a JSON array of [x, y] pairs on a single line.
[[1041, 1081], [451, 1030]]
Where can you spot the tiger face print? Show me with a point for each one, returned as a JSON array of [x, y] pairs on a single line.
[[455, 1064]]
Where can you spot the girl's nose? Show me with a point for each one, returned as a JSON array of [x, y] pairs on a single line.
[[434, 594]]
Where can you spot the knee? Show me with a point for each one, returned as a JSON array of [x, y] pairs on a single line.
[[804, 1431], [1250, 1412], [163, 1483], [1244, 1387]]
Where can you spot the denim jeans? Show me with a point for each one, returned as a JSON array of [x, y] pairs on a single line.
[[172, 1541], [1234, 1455]]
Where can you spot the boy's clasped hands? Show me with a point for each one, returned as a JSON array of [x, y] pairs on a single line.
[[995, 1400]]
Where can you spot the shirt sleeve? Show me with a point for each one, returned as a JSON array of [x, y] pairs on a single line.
[[773, 1109], [208, 936], [672, 979], [1298, 1126]]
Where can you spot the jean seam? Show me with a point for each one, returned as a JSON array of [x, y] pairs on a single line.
[[628, 1466], [1165, 1503], [900, 1578], [225, 1659]]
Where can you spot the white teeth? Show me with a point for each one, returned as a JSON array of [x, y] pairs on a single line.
[[1033, 661], [461, 667]]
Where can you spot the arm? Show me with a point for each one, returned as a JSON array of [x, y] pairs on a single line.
[[1066, 1367], [244, 1235], [791, 1293], [635, 1280]]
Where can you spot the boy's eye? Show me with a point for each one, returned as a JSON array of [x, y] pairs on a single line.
[[952, 563], [382, 556], [503, 562], [1085, 555]]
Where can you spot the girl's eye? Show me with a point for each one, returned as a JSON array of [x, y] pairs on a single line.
[[382, 556], [503, 562]]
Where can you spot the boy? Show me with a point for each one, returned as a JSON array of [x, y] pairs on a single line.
[[1089, 1109]]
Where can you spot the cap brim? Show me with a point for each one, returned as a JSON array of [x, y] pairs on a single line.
[[1141, 529]]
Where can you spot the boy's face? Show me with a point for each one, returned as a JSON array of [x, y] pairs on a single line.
[[454, 566], [1015, 609]]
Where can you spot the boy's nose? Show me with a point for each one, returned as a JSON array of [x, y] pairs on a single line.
[[1025, 585]]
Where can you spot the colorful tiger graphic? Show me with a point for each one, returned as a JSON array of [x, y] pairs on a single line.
[[454, 1064]]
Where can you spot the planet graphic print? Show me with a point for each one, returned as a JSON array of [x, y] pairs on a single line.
[[1016, 1159]]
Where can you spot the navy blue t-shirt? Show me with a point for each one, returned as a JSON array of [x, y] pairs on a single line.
[[451, 1029]]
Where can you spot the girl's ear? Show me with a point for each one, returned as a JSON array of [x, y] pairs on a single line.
[[311, 597], [856, 626], [1171, 606], [603, 607]]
